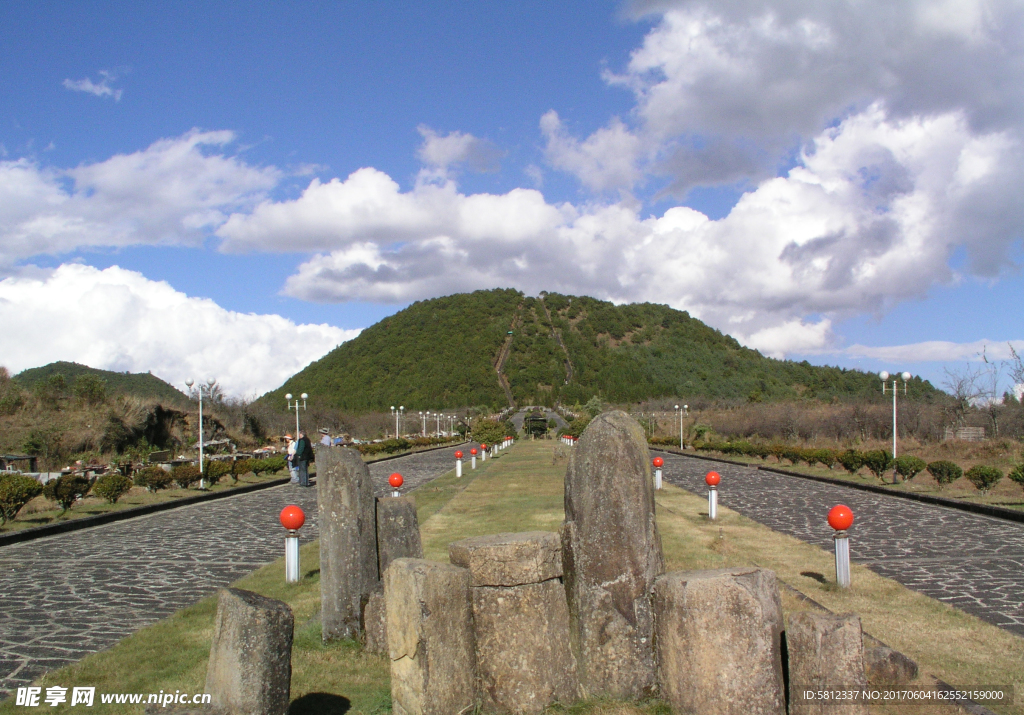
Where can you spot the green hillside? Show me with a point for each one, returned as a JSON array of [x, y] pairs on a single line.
[[142, 384], [442, 353]]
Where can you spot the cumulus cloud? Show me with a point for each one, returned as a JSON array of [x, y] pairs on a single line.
[[100, 89], [457, 149], [867, 218], [936, 351], [173, 192], [606, 160], [117, 319]]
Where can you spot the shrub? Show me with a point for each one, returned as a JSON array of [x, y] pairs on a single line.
[[153, 478], [908, 466], [826, 457], [185, 475], [66, 490], [112, 487], [240, 467], [795, 455], [983, 477], [16, 490], [851, 460], [1017, 474], [270, 465], [878, 460], [945, 472], [216, 470], [776, 450]]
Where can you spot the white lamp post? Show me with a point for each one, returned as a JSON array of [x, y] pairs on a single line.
[[437, 423], [295, 406], [686, 409], [210, 382], [885, 377], [423, 424], [398, 415]]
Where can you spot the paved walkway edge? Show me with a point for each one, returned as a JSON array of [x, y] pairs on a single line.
[[86, 522], [985, 509]]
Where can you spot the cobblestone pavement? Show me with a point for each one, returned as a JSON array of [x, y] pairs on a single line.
[[970, 561], [73, 594]]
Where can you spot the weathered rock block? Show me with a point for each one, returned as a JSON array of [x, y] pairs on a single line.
[[509, 559], [430, 637], [250, 668], [398, 531], [718, 639], [520, 620], [887, 668], [522, 647], [348, 540], [375, 627], [611, 554], [826, 652]]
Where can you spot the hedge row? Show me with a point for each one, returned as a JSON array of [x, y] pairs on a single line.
[[878, 461], [401, 444]]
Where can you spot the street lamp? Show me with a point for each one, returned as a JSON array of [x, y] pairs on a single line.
[[885, 377], [295, 406], [437, 423], [423, 424], [210, 382], [397, 413], [686, 409]]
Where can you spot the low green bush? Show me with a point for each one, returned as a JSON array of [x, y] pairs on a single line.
[[16, 490], [112, 487], [878, 461], [66, 490], [185, 475], [216, 470], [983, 477], [825, 456], [944, 471], [240, 467], [1017, 474], [908, 466], [851, 460], [153, 478]]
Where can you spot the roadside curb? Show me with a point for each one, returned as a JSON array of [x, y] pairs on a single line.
[[996, 512]]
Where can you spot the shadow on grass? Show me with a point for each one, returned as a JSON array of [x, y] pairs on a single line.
[[820, 578], [320, 704]]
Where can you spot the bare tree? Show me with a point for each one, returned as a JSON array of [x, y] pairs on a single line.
[[966, 386]]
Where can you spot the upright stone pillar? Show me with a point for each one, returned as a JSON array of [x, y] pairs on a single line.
[[398, 531], [348, 540], [826, 652], [611, 553], [520, 621], [250, 668], [719, 639], [430, 638]]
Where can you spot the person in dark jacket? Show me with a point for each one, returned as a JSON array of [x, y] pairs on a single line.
[[303, 456]]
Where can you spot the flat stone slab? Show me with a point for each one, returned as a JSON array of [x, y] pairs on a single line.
[[509, 559]]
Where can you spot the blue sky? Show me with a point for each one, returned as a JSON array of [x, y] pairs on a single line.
[[232, 190]]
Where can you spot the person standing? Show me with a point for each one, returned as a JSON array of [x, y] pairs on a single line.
[[303, 456], [292, 470], [325, 437]]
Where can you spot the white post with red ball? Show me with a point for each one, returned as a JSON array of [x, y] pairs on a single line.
[[713, 479], [292, 519], [840, 518], [458, 464], [483, 452], [658, 464], [472, 458], [396, 480]]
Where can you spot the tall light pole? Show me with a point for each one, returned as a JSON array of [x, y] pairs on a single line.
[[210, 382], [397, 413], [295, 406], [686, 409], [437, 423], [885, 377], [423, 424]]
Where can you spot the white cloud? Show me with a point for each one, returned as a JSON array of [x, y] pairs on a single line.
[[100, 89], [172, 192], [936, 351], [457, 149], [868, 217], [116, 319], [606, 160]]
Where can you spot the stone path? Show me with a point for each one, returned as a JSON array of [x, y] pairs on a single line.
[[70, 595], [970, 561]]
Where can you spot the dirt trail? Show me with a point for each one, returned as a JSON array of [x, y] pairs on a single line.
[[506, 349], [557, 335]]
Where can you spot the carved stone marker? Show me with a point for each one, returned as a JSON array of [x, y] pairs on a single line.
[[520, 621], [430, 637], [375, 629], [348, 540], [826, 652], [718, 636], [611, 553], [250, 668], [398, 531]]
